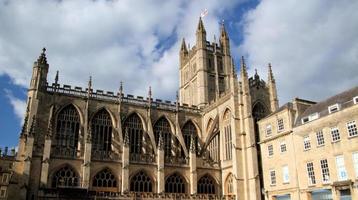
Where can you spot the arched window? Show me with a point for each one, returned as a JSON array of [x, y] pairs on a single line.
[[67, 131], [213, 148], [229, 185], [175, 184], [227, 135], [141, 182], [65, 177], [104, 178], [162, 126], [101, 132], [188, 131], [206, 185], [133, 125]]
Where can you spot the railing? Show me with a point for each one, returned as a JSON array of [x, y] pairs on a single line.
[[110, 96], [63, 152], [56, 194], [142, 158], [105, 155], [176, 160]]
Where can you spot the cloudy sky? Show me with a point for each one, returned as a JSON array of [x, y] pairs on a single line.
[[312, 45]]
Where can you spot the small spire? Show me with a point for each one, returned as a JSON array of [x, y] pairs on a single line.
[[33, 126], [150, 95], [243, 67], [126, 138], [160, 141], [120, 92], [42, 58], [177, 100], [223, 30], [26, 119], [89, 91], [270, 74], [56, 78], [183, 46], [257, 77], [192, 144], [201, 27]]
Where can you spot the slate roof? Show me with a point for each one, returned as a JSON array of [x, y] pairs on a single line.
[[344, 99]]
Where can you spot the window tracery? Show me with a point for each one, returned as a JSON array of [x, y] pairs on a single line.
[[227, 135], [141, 182], [175, 184], [67, 132], [65, 177], [101, 130], [206, 185], [104, 178], [188, 131]]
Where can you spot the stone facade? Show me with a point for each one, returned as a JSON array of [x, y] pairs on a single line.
[[314, 153], [89, 143]]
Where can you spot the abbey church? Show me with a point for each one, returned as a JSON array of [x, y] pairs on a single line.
[[86, 143]]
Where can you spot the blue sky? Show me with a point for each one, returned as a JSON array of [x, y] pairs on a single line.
[[312, 45]]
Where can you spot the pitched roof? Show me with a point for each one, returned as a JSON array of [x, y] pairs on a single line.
[[344, 99]]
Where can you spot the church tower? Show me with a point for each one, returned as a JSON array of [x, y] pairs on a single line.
[[205, 68]]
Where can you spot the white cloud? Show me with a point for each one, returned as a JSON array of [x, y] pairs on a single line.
[[18, 105], [111, 40], [312, 45]]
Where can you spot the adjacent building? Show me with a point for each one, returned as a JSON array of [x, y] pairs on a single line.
[[310, 150]]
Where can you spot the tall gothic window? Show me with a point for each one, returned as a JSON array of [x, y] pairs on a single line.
[[133, 125], [104, 179], [189, 130], [141, 182], [227, 135], [213, 148], [175, 184], [65, 177], [229, 185], [67, 131], [162, 126], [101, 132], [206, 185]]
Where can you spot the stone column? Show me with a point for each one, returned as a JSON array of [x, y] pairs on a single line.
[[87, 162], [192, 163], [160, 163], [125, 163], [45, 161]]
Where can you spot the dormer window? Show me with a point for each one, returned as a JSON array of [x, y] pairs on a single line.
[[333, 108], [355, 100], [311, 117]]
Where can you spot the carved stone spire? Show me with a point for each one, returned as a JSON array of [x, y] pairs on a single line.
[[177, 104], [270, 74], [201, 28], [161, 141], [42, 58], [272, 89], [26, 119], [243, 70], [120, 92], [126, 140], [56, 78], [183, 47], [192, 144], [150, 95], [89, 92], [33, 126], [200, 35], [223, 33]]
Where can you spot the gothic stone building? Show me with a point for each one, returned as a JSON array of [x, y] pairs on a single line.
[[89, 142]]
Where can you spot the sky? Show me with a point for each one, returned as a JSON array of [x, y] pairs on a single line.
[[311, 44]]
